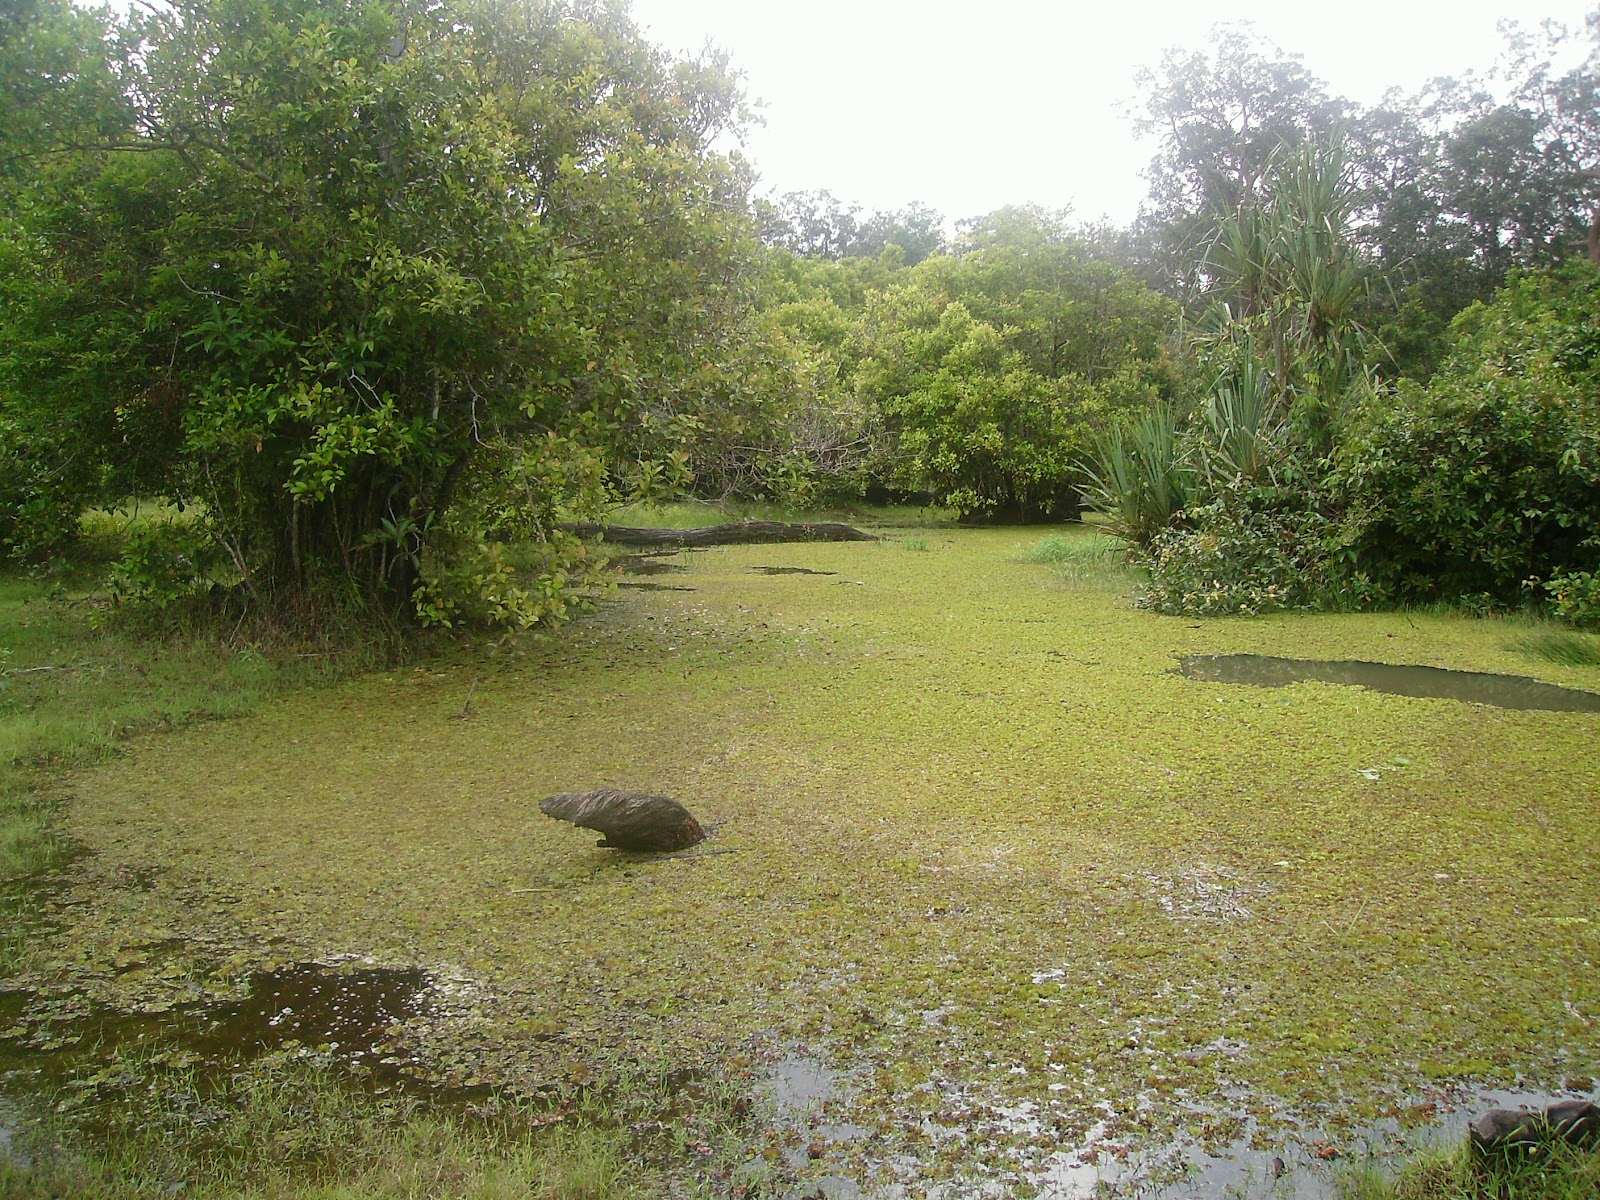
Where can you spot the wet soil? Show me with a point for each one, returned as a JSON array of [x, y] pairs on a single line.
[[1477, 687]]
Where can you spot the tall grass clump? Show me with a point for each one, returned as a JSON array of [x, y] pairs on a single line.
[[1560, 646], [1557, 1171], [1139, 478], [1096, 560]]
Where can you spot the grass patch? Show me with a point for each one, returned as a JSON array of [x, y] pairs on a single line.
[[1084, 558], [1561, 646], [144, 1123], [74, 686], [277, 1132], [1558, 1172]]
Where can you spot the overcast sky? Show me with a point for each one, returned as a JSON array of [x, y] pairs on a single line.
[[969, 106]]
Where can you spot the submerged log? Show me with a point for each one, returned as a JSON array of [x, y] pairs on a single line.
[[629, 820], [1503, 1130], [735, 533]]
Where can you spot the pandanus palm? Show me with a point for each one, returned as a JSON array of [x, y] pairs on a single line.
[[1139, 477], [1295, 282]]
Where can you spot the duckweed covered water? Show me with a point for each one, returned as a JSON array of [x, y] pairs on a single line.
[[978, 849]]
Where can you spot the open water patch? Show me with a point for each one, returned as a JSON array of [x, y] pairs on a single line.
[[350, 1013], [351, 1016], [1476, 687], [789, 571]]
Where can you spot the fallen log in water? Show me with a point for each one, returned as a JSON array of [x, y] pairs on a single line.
[[734, 533], [629, 820]]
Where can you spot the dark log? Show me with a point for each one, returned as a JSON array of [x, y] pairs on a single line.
[[735, 533], [1503, 1130], [629, 820]]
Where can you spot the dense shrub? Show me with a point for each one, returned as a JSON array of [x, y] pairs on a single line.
[[1487, 481], [1251, 549], [166, 564], [1575, 597]]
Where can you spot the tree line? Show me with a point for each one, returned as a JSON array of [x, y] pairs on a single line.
[[382, 292]]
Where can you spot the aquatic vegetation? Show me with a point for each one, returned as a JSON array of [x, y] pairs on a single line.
[[1560, 646], [1084, 557], [972, 843]]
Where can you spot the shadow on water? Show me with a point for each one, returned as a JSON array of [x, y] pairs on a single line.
[[1501, 691], [646, 564]]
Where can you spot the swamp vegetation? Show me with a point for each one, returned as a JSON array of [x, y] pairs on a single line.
[[980, 859], [398, 307]]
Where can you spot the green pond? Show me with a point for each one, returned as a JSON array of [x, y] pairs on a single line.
[[980, 858]]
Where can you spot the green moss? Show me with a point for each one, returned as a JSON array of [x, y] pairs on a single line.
[[974, 843]]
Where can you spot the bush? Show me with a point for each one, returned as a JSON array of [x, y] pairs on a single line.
[[164, 565], [1487, 481], [1250, 549], [1575, 597], [44, 486]]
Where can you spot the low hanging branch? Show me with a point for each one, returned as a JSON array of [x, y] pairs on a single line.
[[735, 533]]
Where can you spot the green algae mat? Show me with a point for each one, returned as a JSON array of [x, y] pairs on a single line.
[[976, 848]]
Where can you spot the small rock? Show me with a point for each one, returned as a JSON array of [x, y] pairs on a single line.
[[629, 820]]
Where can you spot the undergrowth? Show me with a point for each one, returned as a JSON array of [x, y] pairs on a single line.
[[277, 1128], [1559, 1172], [691, 513], [1088, 559]]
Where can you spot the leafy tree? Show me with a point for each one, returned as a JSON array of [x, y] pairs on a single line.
[[59, 97], [819, 225], [994, 367], [383, 285], [1221, 116], [1466, 182], [1286, 284]]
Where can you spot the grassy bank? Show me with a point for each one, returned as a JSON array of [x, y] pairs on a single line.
[[1557, 1172], [74, 685]]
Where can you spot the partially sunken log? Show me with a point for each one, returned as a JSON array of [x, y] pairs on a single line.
[[735, 533], [629, 820], [1507, 1130]]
